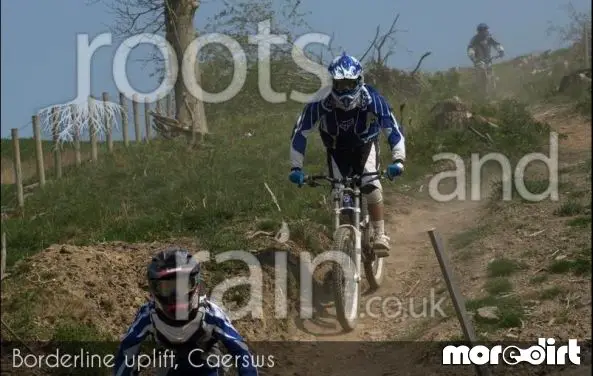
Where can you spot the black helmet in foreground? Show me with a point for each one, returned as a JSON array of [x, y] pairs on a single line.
[[174, 279]]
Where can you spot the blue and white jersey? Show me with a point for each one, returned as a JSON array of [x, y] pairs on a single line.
[[347, 129], [215, 326]]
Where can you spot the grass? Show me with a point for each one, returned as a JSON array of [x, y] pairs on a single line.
[[498, 286], [502, 267], [463, 239], [532, 186], [579, 266], [163, 190], [582, 221], [27, 148], [569, 209], [550, 293], [510, 311]]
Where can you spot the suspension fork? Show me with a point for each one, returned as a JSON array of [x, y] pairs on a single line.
[[358, 209], [337, 190]]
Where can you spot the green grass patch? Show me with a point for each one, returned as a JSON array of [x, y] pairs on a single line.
[[503, 267], [581, 222], [466, 238], [498, 286], [510, 311], [550, 293], [163, 190], [27, 148], [569, 209], [498, 191], [579, 266]]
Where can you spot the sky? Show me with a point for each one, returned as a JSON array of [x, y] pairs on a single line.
[[39, 48]]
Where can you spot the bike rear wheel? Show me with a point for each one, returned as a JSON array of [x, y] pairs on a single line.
[[346, 287], [373, 265]]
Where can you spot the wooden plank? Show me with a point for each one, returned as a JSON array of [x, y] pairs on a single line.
[[456, 296]]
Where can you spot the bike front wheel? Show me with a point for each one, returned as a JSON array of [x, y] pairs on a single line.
[[373, 265], [346, 287]]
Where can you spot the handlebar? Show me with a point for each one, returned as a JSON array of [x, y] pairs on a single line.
[[489, 60], [311, 180]]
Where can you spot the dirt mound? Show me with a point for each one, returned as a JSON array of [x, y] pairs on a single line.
[[102, 286]]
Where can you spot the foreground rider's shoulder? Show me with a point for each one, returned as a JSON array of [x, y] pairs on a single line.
[[145, 309], [317, 105], [142, 322], [214, 312], [377, 102]]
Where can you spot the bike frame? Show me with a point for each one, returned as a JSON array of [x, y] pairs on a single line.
[[340, 191], [349, 187], [485, 73], [347, 199]]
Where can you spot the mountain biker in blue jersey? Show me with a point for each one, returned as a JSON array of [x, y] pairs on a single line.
[[349, 120], [183, 322], [481, 44]]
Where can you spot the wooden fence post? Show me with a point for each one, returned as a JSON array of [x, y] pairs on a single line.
[[93, 132], [456, 296], [55, 116], [124, 118], [136, 117], [38, 150], [18, 172], [147, 121], [108, 124], [73, 110]]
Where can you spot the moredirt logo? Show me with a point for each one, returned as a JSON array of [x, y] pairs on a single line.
[[545, 352]]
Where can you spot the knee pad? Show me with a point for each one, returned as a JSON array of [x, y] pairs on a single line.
[[373, 195]]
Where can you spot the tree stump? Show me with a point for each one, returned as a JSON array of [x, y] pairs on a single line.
[[451, 114], [577, 80]]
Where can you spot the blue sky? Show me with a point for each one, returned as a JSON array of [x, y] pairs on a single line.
[[39, 40]]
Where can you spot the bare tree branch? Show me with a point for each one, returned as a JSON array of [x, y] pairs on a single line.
[[382, 45], [372, 44], [426, 54], [387, 35]]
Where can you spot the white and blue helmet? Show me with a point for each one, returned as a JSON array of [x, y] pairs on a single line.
[[347, 81]]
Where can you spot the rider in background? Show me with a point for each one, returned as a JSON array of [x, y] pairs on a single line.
[[181, 321], [479, 47], [350, 119]]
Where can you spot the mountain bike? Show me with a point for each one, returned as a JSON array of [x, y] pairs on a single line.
[[484, 76], [353, 240]]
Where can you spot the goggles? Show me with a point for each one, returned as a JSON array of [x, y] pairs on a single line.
[[344, 86]]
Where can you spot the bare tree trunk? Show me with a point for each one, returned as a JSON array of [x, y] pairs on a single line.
[[180, 32]]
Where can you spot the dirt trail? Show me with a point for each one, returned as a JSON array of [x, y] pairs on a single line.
[[412, 275], [409, 296], [411, 271], [376, 346]]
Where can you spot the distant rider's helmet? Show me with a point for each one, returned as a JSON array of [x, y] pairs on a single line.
[[482, 29], [174, 281], [347, 81]]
